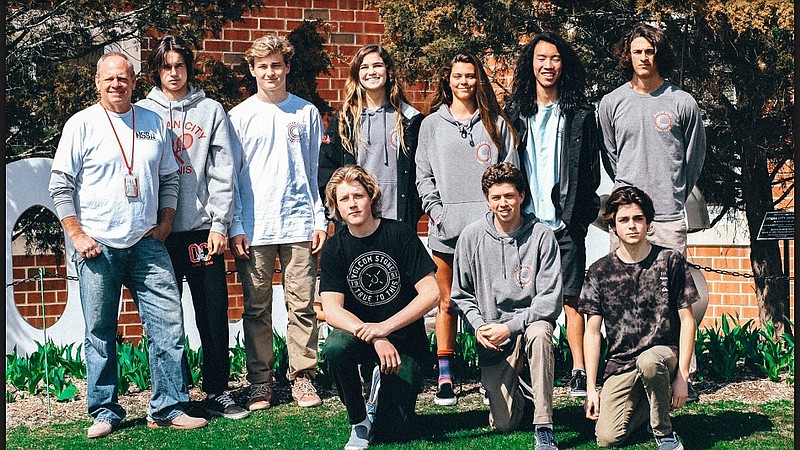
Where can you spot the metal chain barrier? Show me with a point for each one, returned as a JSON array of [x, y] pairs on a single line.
[[740, 274], [74, 278]]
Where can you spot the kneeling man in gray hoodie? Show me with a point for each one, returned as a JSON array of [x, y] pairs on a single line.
[[507, 285]]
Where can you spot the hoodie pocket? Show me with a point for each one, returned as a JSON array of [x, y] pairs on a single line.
[[456, 216]]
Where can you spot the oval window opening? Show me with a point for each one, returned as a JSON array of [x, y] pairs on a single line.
[[38, 241]]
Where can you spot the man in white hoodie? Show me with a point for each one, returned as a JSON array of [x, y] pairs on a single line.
[[201, 143], [507, 285]]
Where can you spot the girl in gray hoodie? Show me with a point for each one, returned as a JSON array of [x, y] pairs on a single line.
[[465, 133]]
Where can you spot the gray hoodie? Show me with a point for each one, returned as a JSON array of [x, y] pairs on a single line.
[[507, 278], [202, 147], [451, 159]]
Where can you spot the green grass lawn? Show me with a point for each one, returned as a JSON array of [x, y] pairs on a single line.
[[721, 425]]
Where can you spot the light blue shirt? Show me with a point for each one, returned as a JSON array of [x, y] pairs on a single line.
[[545, 135]]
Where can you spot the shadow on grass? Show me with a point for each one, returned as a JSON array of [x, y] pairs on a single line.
[[704, 431], [705, 428], [698, 430], [449, 423]]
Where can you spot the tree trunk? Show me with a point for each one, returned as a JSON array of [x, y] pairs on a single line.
[[765, 256]]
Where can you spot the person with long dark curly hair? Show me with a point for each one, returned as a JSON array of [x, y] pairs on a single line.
[[559, 149], [465, 133]]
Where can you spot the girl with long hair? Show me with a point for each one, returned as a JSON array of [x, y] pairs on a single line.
[[465, 133], [377, 129]]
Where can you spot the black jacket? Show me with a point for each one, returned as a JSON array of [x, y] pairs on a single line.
[[575, 197], [333, 155]]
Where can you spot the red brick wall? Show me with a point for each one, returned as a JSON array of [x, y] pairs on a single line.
[[28, 296], [728, 294]]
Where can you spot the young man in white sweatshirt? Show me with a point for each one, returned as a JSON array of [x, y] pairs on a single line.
[[278, 211]]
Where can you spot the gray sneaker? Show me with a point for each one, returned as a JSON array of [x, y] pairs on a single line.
[[545, 439], [260, 396], [669, 442], [359, 438]]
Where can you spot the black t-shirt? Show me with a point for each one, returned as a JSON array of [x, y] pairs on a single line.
[[377, 275], [639, 303]]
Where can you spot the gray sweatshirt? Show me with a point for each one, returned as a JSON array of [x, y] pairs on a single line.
[[451, 159], [655, 142], [201, 143], [513, 278]]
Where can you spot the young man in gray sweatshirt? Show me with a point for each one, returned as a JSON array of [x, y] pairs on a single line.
[[653, 133], [507, 284], [201, 144]]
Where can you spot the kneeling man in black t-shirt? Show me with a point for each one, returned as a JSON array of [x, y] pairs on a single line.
[[376, 283]]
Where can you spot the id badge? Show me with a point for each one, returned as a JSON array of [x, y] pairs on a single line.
[[131, 185]]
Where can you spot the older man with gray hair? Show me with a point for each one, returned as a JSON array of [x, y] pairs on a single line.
[[114, 183]]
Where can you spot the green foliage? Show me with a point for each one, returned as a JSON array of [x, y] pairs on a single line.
[[133, 366], [727, 349], [777, 354], [238, 359], [310, 60], [424, 34], [280, 366], [31, 374], [194, 360], [323, 378]]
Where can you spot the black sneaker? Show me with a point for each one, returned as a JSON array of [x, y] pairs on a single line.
[[223, 405], [669, 442], [692, 396], [577, 384], [445, 395], [545, 440]]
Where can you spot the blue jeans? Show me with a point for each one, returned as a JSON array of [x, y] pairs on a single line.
[[145, 269]]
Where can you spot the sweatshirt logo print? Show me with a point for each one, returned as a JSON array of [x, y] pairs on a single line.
[[147, 135], [662, 121], [394, 139], [294, 131], [483, 152], [182, 143], [374, 278], [523, 275], [199, 255]]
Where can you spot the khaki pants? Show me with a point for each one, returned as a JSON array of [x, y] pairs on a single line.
[[299, 269], [501, 380], [640, 395]]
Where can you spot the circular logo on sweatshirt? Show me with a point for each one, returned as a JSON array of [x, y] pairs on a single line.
[[523, 275], [394, 139], [662, 121], [294, 131], [483, 152], [374, 278]]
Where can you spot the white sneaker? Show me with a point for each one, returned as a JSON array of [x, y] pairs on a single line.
[[359, 437]]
